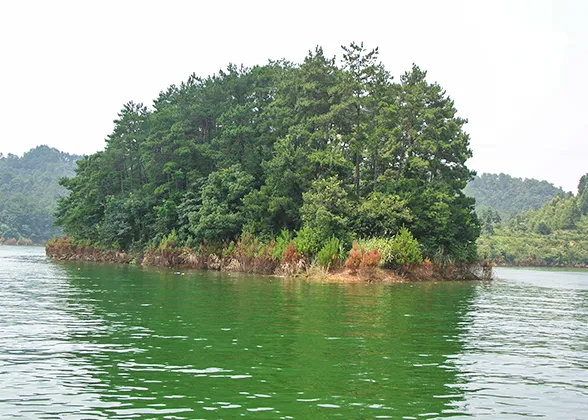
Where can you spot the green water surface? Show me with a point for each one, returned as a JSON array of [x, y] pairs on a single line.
[[90, 341]]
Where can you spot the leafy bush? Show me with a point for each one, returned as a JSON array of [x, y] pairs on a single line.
[[399, 250], [308, 241], [354, 258], [169, 242], [371, 258], [330, 254], [369, 262], [290, 255], [282, 241], [291, 263], [363, 261], [167, 253], [254, 255]]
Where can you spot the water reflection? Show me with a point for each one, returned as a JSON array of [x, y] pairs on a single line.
[[210, 343]]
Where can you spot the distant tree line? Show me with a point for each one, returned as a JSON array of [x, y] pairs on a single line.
[[506, 196], [314, 151], [555, 234], [29, 190]]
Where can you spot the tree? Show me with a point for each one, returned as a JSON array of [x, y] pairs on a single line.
[[326, 210], [583, 194], [426, 166], [220, 216], [123, 145], [380, 215], [81, 212], [361, 78]]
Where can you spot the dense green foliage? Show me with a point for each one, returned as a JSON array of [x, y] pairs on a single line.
[[29, 191], [508, 196], [330, 152], [555, 234], [400, 249]]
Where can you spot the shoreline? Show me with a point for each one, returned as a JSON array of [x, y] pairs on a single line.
[[185, 258], [537, 265], [22, 243]]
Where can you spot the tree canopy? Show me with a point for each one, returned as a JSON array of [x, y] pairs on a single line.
[[331, 149]]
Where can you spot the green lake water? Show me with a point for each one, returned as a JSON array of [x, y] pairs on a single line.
[[101, 341]]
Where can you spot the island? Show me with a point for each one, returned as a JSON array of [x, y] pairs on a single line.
[[279, 168]]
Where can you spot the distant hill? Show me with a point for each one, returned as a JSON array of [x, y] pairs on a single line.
[[555, 234], [509, 196], [28, 193]]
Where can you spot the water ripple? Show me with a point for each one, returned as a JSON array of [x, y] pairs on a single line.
[[89, 341]]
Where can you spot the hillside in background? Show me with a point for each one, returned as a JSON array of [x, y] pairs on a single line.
[[555, 234], [29, 189], [509, 196]]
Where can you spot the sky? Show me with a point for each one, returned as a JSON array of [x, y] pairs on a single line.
[[515, 69]]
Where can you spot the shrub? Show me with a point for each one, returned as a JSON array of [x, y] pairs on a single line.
[[369, 262], [363, 261], [60, 248], [290, 255], [206, 248], [292, 263], [370, 259], [423, 271], [282, 241], [330, 254], [167, 253], [308, 241], [354, 258], [406, 247], [229, 250], [169, 242], [397, 251], [25, 241], [254, 255]]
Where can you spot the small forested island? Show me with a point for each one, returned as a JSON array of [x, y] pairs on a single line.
[[279, 168], [29, 191]]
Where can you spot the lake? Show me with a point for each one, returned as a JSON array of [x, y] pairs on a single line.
[[81, 340]]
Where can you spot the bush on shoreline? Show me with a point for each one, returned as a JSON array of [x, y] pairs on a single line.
[[65, 248], [399, 254]]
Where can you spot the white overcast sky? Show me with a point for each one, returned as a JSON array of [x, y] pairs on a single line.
[[516, 69]]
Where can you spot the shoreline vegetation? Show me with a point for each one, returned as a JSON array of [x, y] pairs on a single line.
[[62, 249], [248, 255]]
